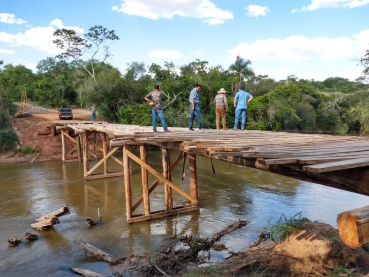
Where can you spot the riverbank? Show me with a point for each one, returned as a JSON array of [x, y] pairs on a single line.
[[44, 147]]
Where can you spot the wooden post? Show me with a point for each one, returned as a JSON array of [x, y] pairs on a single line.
[[63, 145], [193, 176], [145, 180], [167, 175], [53, 131], [85, 153], [80, 157], [353, 226], [104, 153], [95, 140], [127, 181]]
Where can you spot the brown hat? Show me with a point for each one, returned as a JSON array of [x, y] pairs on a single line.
[[222, 90]]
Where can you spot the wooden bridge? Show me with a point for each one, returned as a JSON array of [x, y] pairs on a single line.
[[336, 161]]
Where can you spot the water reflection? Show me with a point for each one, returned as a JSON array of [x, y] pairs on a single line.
[[28, 191]]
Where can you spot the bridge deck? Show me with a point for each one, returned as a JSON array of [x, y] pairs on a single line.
[[336, 161]]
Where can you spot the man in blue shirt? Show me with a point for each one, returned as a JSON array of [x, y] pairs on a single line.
[[194, 107], [240, 101]]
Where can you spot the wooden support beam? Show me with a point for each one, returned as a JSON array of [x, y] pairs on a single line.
[[85, 153], [63, 145], [104, 150], [193, 176], [161, 178], [167, 174], [353, 226], [101, 161], [53, 130], [127, 181], [145, 180], [80, 154], [160, 214], [157, 182]]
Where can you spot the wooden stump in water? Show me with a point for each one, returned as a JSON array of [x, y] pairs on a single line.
[[353, 226], [30, 236], [90, 222], [12, 242]]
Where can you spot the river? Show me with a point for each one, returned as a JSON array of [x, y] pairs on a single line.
[[28, 191]]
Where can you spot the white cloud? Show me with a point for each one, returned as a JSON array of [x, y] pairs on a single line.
[[6, 51], [37, 37], [155, 9], [162, 54], [300, 48], [320, 4], [10, 19], [255, 11]]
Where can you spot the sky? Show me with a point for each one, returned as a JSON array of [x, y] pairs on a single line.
[[310, 39]]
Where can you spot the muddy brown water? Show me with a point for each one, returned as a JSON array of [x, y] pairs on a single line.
[[28, 191]]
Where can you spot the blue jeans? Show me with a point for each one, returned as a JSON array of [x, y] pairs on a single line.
[[195, 113], [155, 114], [93, 116], [238, 113]]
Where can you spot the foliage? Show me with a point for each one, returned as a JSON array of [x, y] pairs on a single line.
[[28, 150], [284, 226], [8, 140], [242, 69], [137, 114]]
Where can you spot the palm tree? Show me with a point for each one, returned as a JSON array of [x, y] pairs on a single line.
[[242, 69]]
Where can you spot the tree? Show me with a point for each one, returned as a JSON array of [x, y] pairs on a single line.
[[75, 46], [242, 69], [365, 62]]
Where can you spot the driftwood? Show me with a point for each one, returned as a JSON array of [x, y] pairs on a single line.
[[44, 225], [227, 230], [96, 252], [87, 272], [57, 213], [12, 242], [353, 226], [30, 236]]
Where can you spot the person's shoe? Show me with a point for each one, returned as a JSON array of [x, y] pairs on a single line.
[[225, 129], [166, 130], [191, 129], [243, 129], [234, 128], [202, 129], [154, 130]]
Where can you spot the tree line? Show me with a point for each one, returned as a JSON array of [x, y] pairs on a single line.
[[335, 105]]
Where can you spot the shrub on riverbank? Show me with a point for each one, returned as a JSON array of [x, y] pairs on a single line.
[[8, 140]]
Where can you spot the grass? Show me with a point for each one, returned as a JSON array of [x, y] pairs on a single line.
[[342, 271], [286, 226], [28, 150]]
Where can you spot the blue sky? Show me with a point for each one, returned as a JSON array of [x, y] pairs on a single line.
[[311, 39]]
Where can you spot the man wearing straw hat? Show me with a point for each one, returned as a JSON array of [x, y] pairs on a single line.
[[221, 107]]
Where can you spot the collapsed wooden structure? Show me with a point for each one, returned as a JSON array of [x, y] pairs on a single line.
[[336, 161]]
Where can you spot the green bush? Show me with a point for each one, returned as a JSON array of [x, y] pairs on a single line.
[[28, 150], [8, 140]]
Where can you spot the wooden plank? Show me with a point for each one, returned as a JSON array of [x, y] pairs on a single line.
[[333, 166], [103, 176]]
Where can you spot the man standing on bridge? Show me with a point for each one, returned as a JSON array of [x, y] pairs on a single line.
[[154, 100], [194, 107], [240, 101]]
